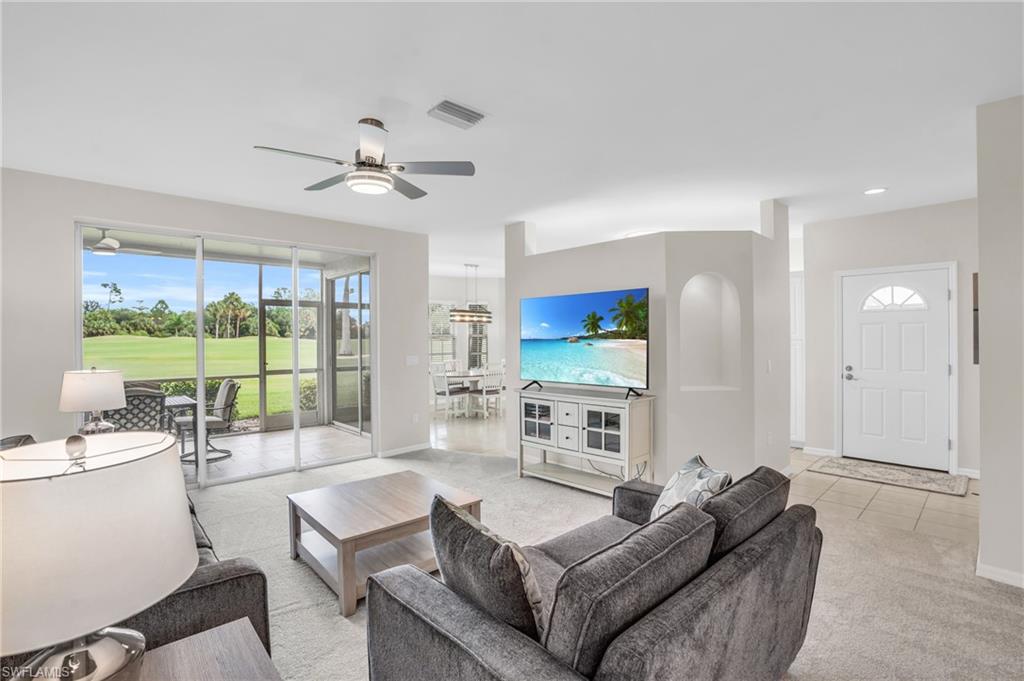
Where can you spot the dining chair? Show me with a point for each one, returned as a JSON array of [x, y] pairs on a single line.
[[452, 392], [489, 388]]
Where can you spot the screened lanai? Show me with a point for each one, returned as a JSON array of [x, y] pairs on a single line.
[[285, 348]]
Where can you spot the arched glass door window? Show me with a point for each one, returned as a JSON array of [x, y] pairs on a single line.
[[893, 298]]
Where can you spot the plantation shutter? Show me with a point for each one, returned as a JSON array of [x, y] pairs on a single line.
[[442, 339], [478, 340]]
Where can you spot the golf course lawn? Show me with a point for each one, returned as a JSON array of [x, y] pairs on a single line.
[[142, 357]]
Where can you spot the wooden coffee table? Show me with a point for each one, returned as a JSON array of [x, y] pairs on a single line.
[[362, 527]]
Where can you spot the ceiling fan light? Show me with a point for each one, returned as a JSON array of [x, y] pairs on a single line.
[[369, 182], [106, 246]]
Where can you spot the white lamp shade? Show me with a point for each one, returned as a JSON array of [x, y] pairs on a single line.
[[85, 549], [92, 390]]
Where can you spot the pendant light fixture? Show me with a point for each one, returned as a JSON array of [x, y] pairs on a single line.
[[466, 315]]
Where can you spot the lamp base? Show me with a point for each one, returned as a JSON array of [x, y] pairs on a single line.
[[97, 426], [91, 658]]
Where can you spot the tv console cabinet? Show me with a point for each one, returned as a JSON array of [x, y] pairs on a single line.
[[608, 437]]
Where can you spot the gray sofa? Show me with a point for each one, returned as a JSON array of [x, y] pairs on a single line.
[[743, 615], [218, 592]]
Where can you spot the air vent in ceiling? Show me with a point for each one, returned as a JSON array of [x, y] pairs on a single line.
[[456, 114]]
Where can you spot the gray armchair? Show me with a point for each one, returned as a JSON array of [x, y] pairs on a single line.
[[218, 592], [12, 441]]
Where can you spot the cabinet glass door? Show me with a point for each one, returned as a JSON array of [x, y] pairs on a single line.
[[537, 421], [603, 431]]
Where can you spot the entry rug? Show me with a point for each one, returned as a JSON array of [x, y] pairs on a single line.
[[914, 478]]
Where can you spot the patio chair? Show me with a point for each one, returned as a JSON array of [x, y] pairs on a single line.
[[144, 410], [219, 417], [12, 441], [489, 388], [452, 393]]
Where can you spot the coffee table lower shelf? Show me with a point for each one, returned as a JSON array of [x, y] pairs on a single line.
[[416, 549]]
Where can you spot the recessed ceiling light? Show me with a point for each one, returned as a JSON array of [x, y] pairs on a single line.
[[876, 190]]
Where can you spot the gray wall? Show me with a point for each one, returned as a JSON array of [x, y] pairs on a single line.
[[1001, 250], [38, 286], [940, 233], [728, 425]]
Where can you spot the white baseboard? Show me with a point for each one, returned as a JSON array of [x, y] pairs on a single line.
[[970, 473], [1000, 575], [798, 444], [404, 450], [818, 451], [788, 471]]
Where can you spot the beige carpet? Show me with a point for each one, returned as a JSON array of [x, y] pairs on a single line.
[[889, 474], [890, 604]]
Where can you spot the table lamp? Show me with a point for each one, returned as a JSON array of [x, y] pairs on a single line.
[[92, 390], [87, 544]]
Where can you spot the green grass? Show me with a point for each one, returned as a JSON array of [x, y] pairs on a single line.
[[141, 357]]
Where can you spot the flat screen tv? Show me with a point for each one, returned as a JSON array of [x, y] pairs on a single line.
[[595, 338]]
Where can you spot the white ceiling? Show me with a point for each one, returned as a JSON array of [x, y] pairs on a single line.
[[602, 119]]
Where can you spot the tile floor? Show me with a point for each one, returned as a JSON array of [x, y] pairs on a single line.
[[473, 435], [931, 513], [254, 453]]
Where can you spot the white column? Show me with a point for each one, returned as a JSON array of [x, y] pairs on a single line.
[[200, 433], [296, 411], [1001, 317]]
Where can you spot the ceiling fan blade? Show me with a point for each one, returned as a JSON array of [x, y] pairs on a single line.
[[300, 154], [434, 168], [407, 189], [372, 136], [329, 182]]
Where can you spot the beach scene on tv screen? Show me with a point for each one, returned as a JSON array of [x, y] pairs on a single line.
[[586, 338]]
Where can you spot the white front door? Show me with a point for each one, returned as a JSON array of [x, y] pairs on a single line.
[[896, 367]]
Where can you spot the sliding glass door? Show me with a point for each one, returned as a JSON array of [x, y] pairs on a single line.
[[351, 357], [221, 342]]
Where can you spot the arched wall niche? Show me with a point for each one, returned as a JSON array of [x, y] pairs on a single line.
[[709, 334]]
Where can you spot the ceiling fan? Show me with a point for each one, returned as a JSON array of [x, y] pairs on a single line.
[[371, 173], [108, 245]]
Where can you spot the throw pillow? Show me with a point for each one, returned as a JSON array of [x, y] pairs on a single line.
[[694, 484], [485, 569]]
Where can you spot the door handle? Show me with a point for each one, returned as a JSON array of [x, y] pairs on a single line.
[[849, 377]]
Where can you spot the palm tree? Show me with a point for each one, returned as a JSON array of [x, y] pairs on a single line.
[[592, 324], [242, 314], [214, 312], [233, 305], [626, 314]]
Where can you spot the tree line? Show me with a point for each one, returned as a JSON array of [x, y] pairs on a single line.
[[229, 317]]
